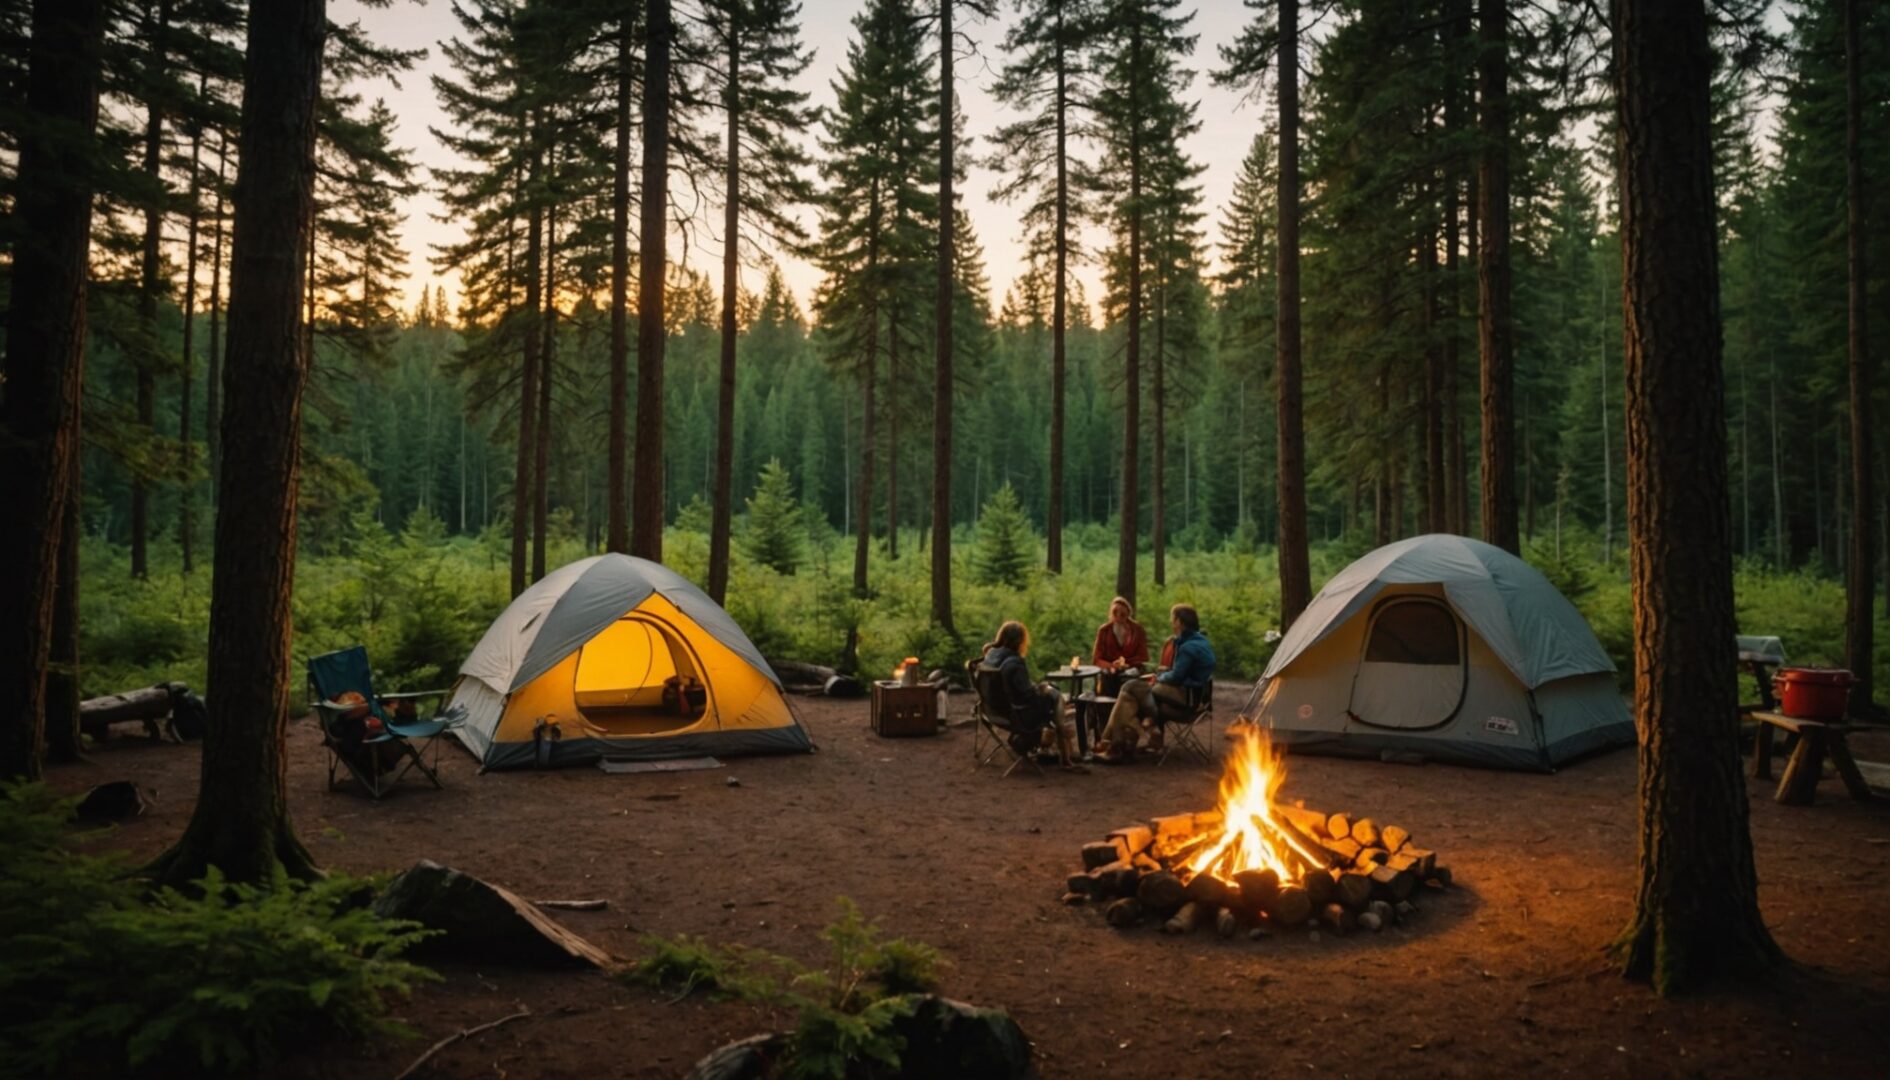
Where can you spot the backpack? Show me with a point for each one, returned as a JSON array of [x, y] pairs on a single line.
[[189, 715]]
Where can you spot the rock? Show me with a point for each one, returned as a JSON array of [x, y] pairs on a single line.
[[482, 922], [115, 801], [948, 1039], [752, 1058], [1381, 909], [1371, 921], [1406, 910], [1123, 913], [732, 782]]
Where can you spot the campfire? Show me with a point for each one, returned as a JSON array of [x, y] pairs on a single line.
[[1256, 864]]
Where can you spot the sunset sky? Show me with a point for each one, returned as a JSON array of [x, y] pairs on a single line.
[[1227, 126]]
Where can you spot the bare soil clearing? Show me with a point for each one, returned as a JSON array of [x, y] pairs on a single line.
[[1503, 973]]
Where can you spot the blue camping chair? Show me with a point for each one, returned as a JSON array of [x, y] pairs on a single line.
[[377, 759]]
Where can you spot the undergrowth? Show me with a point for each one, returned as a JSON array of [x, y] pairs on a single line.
[[844, 1012], [101, 976]]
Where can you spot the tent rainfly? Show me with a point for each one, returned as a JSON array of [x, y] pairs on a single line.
[[619, 657], [1448, 649]]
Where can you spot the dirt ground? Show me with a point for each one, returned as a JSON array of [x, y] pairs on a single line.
[[1502, 974]]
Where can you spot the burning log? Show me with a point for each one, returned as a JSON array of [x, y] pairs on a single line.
[[1257, 888], [1320, 889], [1346, 849], [1211, 891], [1131, 840], [1185, 919], [1310, 822]]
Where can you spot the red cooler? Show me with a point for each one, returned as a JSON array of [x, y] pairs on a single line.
[[1813, 693]]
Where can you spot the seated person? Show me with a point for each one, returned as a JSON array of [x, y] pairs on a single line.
[[1171, 693], [1121, 645], [1039, 705]]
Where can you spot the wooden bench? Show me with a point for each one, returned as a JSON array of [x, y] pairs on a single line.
[[1816, 738]]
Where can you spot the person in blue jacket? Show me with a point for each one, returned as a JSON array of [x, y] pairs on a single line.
[[1171, 693]]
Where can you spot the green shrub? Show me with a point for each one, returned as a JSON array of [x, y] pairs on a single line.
[[843, 1012], [773, 535], [98, 976]]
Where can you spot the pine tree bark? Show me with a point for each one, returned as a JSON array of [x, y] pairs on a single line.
[[1295, 571], [1696, 909], [241, 821], [547, 353], [45, 357], [63, 682], [213, 369], [1495, 340], [863, 521], [157, 26], [184, 427], [618, 531], [1131, 506], [722, 510], [1059, 313], [1859, 590], [523, 467], [1158, 482], [647, 507], [942, 380], [1432, 399]]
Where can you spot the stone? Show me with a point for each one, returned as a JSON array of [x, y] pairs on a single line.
[[481, 922]]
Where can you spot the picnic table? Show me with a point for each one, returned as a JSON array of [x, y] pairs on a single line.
[[1075, 677], [1816, 738]]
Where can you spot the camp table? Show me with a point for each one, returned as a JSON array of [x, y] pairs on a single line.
[[1816, 738], [1075, 677]]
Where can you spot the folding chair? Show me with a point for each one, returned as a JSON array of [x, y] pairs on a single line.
[[997, 721], [1187, 731], [377, 760]]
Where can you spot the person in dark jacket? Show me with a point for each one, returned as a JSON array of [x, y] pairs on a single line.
[[1038, 702], [1170, 693]]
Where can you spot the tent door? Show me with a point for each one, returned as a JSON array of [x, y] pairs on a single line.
[[1412, 674], [620, 677]]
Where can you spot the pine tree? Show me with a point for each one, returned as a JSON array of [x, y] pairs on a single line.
[[760, 52], [874, 212], [45, 355], [1048, 68], [647, 498], [774, 533], [1136, 106], [1005, 548]]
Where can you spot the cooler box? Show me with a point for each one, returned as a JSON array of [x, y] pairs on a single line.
[[1813, 693]]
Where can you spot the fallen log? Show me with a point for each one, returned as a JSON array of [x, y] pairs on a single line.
[[148, 705], [477, 918], [574, 905]]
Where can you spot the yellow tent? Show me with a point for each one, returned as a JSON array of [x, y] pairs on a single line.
[[614, 656]]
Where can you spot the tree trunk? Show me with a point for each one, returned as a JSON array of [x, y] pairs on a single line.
[[724, 494], [892, 431], [528, 381], [1432, 398], [942, 367], [184, 441], [45, 341], [1158, 485], [149, 285], [547, 353], [1295, 573], [1131, 506], [618, 538], [1495, 344], [241, 821], [647, 509], [863, 520], [213, 372], [1059, 315], [1696, 910], [63, 692], [1859, 589]]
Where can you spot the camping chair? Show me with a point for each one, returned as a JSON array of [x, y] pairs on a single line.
[[1186, 730], [377, 760], [997, 720]]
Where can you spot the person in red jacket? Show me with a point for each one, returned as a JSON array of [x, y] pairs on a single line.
[[1121, 643]]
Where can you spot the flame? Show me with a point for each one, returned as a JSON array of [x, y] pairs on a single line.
[[1253, 836]]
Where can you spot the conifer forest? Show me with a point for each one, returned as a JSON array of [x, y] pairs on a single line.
[[882, 322]]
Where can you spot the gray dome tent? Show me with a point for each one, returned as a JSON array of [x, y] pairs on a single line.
[[1447, 649]]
